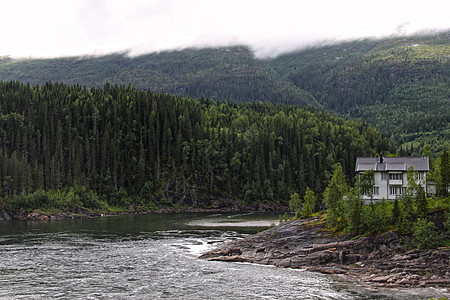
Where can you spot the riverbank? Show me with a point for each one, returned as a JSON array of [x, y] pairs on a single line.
[[374, 261], [39, 215]]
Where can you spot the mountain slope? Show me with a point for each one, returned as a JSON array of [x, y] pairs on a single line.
[[399, 85], [224, 74]]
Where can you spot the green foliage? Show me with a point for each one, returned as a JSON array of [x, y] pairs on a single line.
[[413, 184], [427, 152], [124, 146], [146, 194], [444, 169], [333, 198], [396, 214], [447, 222], [351, 215], [399, 85], [425, 234], [354, 210], [407, 214], [377, 218], [366, 183], [223, 74], [421, 203], [404, 217], [310, 203], [283, 218], [69, 200], [88, 198], [295, 202], [306, 211], [120, 198]]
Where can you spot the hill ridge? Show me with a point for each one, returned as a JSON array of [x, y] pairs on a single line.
[[400, 85]]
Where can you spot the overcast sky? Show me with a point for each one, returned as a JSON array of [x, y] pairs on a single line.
[[49, 28]]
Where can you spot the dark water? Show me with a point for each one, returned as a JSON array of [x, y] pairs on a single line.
[[154, 256]]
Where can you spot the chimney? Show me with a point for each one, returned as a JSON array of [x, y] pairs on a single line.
[[381, 157]]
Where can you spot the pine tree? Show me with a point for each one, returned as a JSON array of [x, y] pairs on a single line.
[[421, 203], [396, 214], [295, 202], [333, 197], [309, 201], [445, 174]]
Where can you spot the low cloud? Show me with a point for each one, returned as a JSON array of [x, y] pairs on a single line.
[[49, 28]]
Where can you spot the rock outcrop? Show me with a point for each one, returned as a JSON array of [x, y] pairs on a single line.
[[4, 215], [380, 261]]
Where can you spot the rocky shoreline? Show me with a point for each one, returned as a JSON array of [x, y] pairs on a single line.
[[38, 215], [374, 261]]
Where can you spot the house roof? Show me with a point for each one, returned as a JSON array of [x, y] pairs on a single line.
[[392, 163]]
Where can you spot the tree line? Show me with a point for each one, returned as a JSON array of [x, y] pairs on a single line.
[[120, 146], [222, 74]]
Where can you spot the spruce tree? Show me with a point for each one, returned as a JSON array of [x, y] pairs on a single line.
[[333, 197], [445, 174]]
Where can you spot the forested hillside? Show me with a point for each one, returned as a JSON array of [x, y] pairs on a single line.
[[222, 74], [399, 85], [119, 146]]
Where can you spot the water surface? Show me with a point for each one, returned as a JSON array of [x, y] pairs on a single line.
[[155, 256]]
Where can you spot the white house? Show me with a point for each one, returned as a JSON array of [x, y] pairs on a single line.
[[390, 174]]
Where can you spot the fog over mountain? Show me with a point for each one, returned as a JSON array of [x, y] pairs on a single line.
[[52, 28]]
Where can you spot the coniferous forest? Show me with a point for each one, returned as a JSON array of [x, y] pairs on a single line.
[[400, 85], [65, 147]]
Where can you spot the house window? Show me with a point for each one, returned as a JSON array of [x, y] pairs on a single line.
[[376, 190], [393, 190], [421, 175], [395, 176], [397, 190], [383, 176]]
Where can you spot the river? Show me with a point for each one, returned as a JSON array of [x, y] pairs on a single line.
[[155, 256]]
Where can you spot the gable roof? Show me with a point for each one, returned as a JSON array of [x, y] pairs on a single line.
[[392, 163]]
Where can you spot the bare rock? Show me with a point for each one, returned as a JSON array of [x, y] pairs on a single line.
[[380, 279], [404, 281], [233, 258], [379, 261]]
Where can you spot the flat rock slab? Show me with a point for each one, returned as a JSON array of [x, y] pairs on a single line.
[[378, 261]]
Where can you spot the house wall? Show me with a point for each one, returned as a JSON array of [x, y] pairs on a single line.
[[383, 190], [384, 184]]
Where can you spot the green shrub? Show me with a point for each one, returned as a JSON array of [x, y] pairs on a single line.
[[295, 202], [120, 198], [447, 222], [425, 234]]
